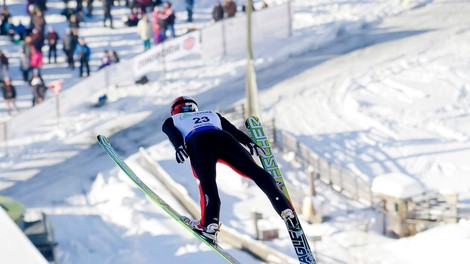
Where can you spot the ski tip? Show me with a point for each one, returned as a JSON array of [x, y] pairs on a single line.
[[102, 139], [247, 122]]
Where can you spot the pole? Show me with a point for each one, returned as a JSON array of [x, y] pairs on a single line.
[[56, 86], [163, 60], [256, 217], [250, 81], [57, 108], [5, 134], [224, 44]]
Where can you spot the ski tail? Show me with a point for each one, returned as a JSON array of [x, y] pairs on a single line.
[[105, 144], [297, 235]]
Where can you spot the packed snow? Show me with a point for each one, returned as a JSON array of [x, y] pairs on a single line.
[[377, 87]]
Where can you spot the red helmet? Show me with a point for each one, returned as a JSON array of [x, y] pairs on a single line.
[[183, 104]]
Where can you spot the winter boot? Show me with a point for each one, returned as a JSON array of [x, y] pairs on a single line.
[[289, 218]]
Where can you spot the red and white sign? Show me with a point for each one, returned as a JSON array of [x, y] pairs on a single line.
[[56, 86]]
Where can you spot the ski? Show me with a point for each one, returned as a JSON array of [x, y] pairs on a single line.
[[297, 236], [105, 144]]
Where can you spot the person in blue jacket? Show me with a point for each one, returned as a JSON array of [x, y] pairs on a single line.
[[206, 138], [83, 53]]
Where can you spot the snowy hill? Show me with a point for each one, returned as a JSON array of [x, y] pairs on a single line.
[[373, 86]]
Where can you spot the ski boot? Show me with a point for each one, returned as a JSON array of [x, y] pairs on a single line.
[[289, 218], [211, 231], [194, 224]]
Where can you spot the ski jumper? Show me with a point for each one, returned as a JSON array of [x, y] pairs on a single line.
[[210, 138]]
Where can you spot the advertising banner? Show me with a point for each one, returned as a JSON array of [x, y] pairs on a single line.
[[169, 50]]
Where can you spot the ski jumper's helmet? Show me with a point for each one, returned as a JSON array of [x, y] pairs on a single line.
[[183, 104]]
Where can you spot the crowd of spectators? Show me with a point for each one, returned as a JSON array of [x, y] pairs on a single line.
[[156, 26], [34, 39], [154, 19], [228, 9], [159, 25]]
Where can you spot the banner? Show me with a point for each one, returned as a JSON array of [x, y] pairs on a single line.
[[169, 50]]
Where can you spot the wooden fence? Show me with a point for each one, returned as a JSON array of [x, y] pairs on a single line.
[[347, 183]]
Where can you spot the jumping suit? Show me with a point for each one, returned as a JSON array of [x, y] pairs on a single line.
[[210, 138]]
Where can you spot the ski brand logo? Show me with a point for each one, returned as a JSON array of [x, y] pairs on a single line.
[[185, 115], [299, 241], [269, 162], [191, 114], [301, 247]]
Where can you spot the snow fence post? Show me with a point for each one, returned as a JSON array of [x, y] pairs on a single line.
[[5, 136]]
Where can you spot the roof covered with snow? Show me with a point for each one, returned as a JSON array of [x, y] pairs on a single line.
[[396, 185]]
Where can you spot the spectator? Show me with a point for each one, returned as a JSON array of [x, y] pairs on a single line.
[[27, 44], [39, 22], [143, 5], [75, 37], [11, 31], [35, 59], [89, 8], [79, 7], [156, 3], [68, 12], [244, 8], [37, 40], [158, 25], [38, 88], [4, 18], [83, 52], [107, 4], [68, 47], [41, 4], [29, 5], [189, 9], [169, 16], [20, 31], [105, 60], [144, 29], [9, 94], [230, 8], [4, 66], [217, 11], [114, 56], [74, 21], [132, 20], [24, 66], [52, 38]]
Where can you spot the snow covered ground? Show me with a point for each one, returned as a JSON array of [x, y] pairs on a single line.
[[389, 93]]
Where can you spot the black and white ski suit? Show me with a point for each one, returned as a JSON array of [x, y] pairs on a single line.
[[210, 138]]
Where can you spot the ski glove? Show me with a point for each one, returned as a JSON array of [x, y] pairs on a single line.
[[181, 154], [255, 149]]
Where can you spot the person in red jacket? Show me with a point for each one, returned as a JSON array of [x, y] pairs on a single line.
[[52, 38], [206, 138]]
